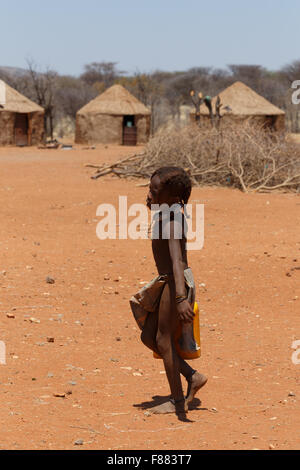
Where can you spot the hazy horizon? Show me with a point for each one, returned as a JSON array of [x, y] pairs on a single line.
[[141, 36]]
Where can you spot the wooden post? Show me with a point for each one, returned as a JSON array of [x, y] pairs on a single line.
[[197, 103], [29, 116], [207, 101], [218, 109]]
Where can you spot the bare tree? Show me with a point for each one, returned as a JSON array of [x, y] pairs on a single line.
[[43, 85], [71, 94], [101, 72]]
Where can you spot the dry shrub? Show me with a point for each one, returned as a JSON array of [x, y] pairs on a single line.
[[245, 157], [241, 156]]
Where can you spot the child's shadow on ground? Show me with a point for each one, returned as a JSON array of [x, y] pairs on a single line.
[[158, 400]]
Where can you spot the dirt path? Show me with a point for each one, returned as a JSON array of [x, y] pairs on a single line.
[[250, 307]]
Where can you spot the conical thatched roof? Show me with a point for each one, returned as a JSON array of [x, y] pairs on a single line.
[[11, 100], [115, 100], [243, 101]]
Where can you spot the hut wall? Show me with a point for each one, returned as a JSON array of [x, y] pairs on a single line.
[[274, 122], [99, 128], [7, 126], [260, 120], [36, 128], [143, 128], [280, 123]]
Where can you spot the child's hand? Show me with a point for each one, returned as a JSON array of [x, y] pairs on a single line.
[[185, 312]]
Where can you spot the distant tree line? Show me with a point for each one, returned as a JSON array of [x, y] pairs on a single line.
[[163, 92]]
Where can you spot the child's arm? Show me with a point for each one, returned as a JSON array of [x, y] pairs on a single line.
[[184, 308]]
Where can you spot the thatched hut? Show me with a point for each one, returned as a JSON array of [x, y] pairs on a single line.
[[240, 103], [114, 117], [21, 120]]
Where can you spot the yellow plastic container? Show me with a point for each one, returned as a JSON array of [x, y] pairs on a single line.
[[187, 338]]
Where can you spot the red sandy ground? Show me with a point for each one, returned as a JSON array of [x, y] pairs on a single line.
[[249, 315]]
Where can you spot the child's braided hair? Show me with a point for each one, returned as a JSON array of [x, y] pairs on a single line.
[[176, 180]]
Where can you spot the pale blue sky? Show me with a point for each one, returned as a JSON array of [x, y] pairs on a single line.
[[146, 35]]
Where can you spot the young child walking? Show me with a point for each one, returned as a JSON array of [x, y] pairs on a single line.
[[166, 302]]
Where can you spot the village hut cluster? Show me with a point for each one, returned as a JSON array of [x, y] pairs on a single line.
[[114, 117], [118, 117]]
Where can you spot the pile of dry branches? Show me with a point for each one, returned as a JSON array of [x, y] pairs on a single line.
[[244, 157]]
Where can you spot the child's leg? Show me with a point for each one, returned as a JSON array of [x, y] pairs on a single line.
[[148, 337], [167, 325], [195, 382]]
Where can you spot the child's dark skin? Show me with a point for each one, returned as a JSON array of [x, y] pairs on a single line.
[[171, 258]]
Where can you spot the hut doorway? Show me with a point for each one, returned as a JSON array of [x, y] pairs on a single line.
[[270, 122], [129, 130], [21, 129]]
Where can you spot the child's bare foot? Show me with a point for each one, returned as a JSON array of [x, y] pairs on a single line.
[[170, 407], [196, 382]]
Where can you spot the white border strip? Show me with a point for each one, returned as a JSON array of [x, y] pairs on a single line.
[[2, 93]]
